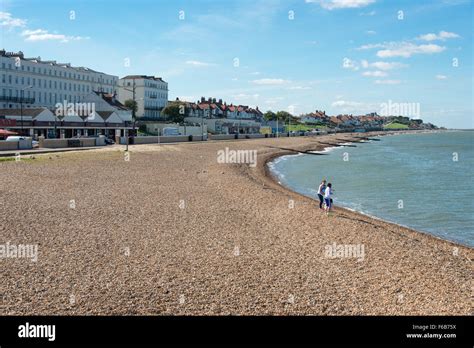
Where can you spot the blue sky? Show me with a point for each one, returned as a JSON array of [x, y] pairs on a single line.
[[342, 56]]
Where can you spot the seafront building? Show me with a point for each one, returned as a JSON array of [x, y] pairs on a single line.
[[33, 82], [65, 101], [149, 92]]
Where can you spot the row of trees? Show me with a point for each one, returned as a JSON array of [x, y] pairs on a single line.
[[174, 112], [281, 116]]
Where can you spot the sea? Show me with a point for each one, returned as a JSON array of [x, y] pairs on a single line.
[[423, 181]]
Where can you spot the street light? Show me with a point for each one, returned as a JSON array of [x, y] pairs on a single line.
[[22, 93], [133, 111]]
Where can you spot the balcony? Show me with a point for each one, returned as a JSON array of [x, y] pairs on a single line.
[[17, 100], [155, 108]]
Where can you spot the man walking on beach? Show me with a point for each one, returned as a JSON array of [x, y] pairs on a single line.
[[321, 190]]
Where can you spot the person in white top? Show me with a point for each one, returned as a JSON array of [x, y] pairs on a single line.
[[321, 189], [327, 198]]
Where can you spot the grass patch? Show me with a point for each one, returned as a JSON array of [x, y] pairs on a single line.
[[395, 125], [303, 127]]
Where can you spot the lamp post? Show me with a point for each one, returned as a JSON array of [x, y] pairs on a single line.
[[22, 93], [133, 111]]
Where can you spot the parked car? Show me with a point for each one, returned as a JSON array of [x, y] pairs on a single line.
[[109, 141], [35, 144], [171, 131], [15, 138]]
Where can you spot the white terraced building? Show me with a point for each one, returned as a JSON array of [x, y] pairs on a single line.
[[151, 94], [32, 82]]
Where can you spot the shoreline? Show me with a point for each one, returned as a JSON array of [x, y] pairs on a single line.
[[273, 177], [173, 231]]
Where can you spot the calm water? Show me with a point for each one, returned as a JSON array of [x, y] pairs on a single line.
[[409, 179]]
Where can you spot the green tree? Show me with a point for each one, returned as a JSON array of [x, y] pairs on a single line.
[[284, 116], [132, 105], [269, 116], [175, 112]]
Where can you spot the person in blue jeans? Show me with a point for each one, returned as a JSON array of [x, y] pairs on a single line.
[[321, 190], [327, 198]]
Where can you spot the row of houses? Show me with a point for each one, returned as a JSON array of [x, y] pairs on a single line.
[[368, 121], [223, 118], [213, 108]]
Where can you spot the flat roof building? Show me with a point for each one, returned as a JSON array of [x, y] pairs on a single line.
[[33, 82], [151, 94]]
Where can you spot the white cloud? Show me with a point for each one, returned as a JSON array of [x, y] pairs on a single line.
[[338, 4], [269, 82], [371, 32], [299, 88], [387, 65], [371, 46], [255, 73], [371, 13], [407, 49], [350, 64], [354, 107], [242, 96], [44, 35], [376, 73], [441, 77], [197, 63], [387, 82], [443, 36], [6, 20]]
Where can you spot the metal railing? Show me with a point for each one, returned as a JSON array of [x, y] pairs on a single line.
[[17, 99]]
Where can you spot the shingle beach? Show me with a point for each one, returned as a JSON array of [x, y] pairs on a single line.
[[173, 232]]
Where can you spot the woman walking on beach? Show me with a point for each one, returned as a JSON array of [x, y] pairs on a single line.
[[327, 198], [321, 190]]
